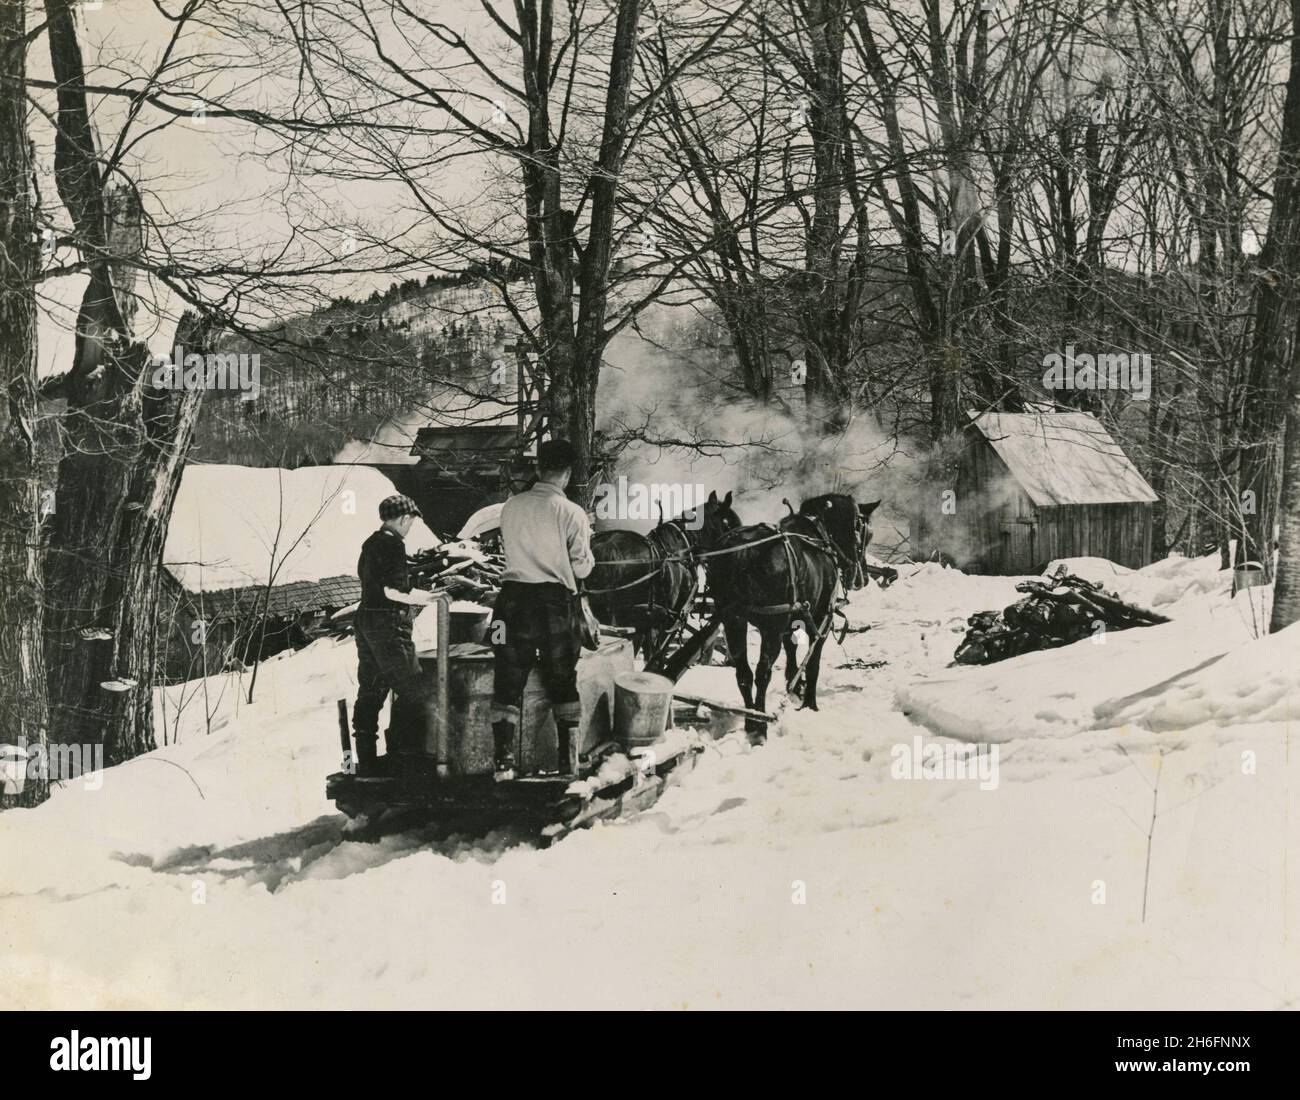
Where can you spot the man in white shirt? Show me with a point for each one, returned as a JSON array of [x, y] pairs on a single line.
[[537, 617]]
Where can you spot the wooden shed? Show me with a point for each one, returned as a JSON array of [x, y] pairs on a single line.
[[257, 557], [207, 632], [461, 468], [1036, 486]]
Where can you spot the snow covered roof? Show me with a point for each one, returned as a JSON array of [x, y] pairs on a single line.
[[1063, 458], [283, 601], [235, 526]]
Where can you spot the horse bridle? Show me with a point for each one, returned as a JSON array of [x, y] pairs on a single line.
[[850, 570]]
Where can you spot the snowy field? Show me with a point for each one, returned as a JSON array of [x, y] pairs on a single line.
[[1152, 768]]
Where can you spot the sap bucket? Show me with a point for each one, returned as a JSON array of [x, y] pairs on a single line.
[[13, 769], [642, 703], [1249, 574]]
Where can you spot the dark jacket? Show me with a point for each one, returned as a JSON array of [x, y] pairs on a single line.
[[383, 565]]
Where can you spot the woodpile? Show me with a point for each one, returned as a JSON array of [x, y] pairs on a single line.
[[1054, 612], [464, 570]]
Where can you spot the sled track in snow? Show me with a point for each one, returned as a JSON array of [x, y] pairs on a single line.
[[320, 850]]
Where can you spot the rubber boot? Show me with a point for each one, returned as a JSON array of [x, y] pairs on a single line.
[[503, 755], [566, 747]]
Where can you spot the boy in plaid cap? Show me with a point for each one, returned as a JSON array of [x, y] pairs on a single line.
[[386, 658]]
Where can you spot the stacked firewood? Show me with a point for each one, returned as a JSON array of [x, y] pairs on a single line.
[[1054, 612], [465, 570]]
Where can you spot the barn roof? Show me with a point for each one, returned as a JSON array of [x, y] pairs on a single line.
[[1063, 458], [283, 601]]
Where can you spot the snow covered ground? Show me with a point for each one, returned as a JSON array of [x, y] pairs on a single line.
[[1152, 769]]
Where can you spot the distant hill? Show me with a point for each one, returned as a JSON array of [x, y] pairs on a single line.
[[336, 375]]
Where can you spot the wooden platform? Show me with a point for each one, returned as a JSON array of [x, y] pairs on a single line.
[[539, 804]]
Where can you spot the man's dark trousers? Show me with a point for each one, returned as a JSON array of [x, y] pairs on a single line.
[[535, 624]]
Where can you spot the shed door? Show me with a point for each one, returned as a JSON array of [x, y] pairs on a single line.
[[1018, 549]]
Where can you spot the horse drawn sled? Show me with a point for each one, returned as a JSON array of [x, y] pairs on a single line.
[[666, 597], [442, 773]]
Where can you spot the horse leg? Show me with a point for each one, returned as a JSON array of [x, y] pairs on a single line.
[[769, 648], [737, 631], [791, 664], [812, 672]]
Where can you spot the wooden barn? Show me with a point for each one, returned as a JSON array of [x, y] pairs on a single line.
[[1036, 486]]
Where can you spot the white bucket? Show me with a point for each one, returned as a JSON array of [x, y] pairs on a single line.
[[13, 769]]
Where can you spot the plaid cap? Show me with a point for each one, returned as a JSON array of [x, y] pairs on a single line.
[[397, 505]]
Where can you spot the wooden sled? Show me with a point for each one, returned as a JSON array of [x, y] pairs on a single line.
[[543, 807]]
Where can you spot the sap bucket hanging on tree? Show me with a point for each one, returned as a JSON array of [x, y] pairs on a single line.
[[642, 703], [13, 769]]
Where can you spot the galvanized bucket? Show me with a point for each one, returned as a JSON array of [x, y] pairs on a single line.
[[1248, 574], [642, 703]]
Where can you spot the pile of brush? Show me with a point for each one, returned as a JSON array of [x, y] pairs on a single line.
[[1056, 611]]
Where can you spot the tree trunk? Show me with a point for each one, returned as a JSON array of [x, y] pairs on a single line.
[[125, 447], [22, 671], [1263, 406], [825, 344], [1286, 592], [593, 299], [117, 485]]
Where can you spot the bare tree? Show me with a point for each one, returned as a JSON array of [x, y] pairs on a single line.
[[22, 670], [1267, 376], [510, 95]]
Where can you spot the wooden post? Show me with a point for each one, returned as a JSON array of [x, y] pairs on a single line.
[[441, 715], [345, 734]]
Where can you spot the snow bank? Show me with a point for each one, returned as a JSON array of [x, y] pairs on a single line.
[[233, 525], [1106, 680], [1258, 681], [1158, 586]]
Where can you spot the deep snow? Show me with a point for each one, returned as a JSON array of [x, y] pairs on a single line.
[[213, 873]]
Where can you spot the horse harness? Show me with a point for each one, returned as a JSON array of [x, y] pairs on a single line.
[[650, 607], [823, 543]]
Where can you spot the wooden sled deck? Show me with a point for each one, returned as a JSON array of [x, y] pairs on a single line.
[[448, 783], [549, 806]]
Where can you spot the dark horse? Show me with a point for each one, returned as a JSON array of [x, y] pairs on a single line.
[[647, 582], [779, 578]]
